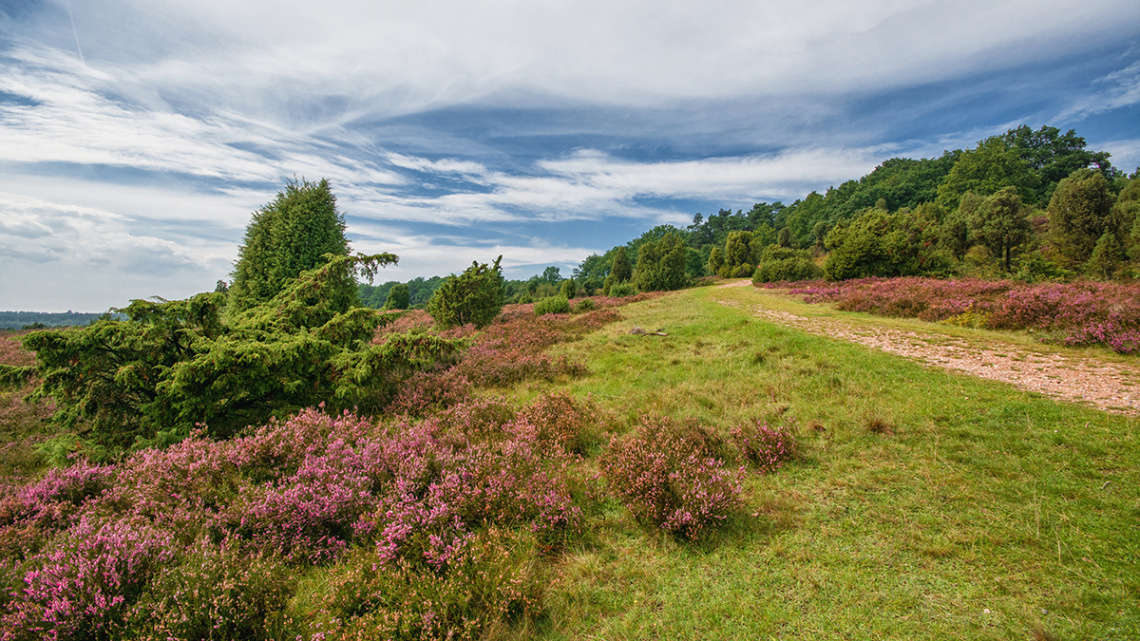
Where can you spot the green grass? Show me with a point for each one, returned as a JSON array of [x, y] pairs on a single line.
[[926, 504]]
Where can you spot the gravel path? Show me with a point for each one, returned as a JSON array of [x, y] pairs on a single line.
[[1108, 386]]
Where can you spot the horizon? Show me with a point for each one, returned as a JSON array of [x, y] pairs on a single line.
[[139, 138]]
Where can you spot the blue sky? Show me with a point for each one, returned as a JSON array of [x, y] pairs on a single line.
[[137, 137]]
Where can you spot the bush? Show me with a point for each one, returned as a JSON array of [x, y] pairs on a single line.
[[216, 592], [494, 581], [622, 290], [584, 305], [475, 296], [670, 475], [552, 305], [764, 446], [568, 289], [789, 269]]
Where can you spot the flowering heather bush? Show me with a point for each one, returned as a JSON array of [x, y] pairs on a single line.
[[563, 425], [509, 352], [1082, 313], [85, 583], [494, 581], [406, 321], [765, 446], [427, 392], [217, 591], [670, 474]]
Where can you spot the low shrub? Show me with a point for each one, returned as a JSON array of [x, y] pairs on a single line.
[[427, 392], [622, 290], [765, 446], [494, 582], [584, 305], [216, 591], [671, 475], [552, 305], [788, 269]]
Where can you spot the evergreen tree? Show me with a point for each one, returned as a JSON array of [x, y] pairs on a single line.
[[475, 296], [300, 230]]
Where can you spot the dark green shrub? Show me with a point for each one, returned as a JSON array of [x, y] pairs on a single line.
[[621, 290], [552, 305], [788, 269], [568, 289], [584, 305], [475, 296]]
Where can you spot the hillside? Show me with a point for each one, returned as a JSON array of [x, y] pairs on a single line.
[[920, 502]]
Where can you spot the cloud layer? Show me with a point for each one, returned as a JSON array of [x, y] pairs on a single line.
[[452, 133]]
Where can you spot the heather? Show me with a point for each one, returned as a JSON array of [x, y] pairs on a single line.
[[1075, 314], [214, 535], [724, 477]]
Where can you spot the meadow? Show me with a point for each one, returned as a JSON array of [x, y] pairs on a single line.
[[668, 468]]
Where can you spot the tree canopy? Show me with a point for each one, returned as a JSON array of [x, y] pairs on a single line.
[[296, 232]]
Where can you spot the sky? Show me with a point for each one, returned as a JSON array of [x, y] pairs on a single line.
[[137, 137]]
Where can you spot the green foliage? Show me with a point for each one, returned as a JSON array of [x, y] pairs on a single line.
[[881, 244], [620, 268], [552, 305], [796, 266], [175, 364], [584, 305], [1107, 257], [738, 248], [1079, 215], [294, 233], [1053, 156], [716, 260], [621, 290], [475, 297], [398, 297], [1001, 224], [661, 265], [568, 289], [986, 169]]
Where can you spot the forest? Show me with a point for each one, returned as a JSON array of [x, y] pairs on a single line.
[[630, 452]]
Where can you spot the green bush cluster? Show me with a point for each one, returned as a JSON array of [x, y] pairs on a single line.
[[552, 305]]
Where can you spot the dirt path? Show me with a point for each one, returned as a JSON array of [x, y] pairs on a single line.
[[1108, 386]]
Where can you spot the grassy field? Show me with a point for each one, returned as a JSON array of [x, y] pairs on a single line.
[[924, 505]]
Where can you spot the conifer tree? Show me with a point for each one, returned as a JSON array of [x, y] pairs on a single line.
[[300, 230]]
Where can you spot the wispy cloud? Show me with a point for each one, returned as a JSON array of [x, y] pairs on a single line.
[[456, 132]]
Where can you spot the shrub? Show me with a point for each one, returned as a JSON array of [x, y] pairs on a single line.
[[84, 585], [552, 305], [217, 591], [584, 305], [475, 296], [494, 581], [670, 475], [787, 269], [764, 446], [427, 392], [568, 289], [621, 290]]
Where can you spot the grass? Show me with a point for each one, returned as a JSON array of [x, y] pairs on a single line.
[[926, 504]]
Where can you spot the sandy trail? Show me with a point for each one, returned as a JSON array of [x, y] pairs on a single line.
[[1109, 386]]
